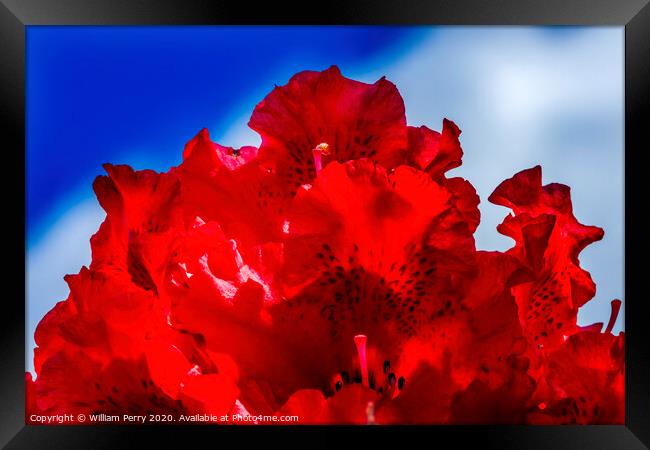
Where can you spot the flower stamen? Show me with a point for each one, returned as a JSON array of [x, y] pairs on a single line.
[[616, 307], [318, 152], [370, 413], [360, 342]]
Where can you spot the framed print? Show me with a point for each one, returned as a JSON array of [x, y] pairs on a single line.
[[375, 223]]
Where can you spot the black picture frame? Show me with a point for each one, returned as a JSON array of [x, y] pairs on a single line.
[[15, 15]]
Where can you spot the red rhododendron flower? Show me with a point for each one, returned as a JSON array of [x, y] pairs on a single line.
[[331, 275]]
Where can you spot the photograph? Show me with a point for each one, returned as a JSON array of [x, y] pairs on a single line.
[[325, 225]]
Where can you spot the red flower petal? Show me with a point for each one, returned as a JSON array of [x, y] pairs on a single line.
[[358, 212], [142, 208], [209, 394], [31, 406], [424, 400], [234, 190], [203, 155], [103, 316], [548, 239], [434, 152], [116, 334], [465, 202], [369, 253], [349, 406], [355, 119], [145, 200], [507, 403], [586, 377], [307, 404], [492, 333], [71, 383]]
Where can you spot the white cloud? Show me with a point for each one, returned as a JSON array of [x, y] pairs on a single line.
[[63, 250]]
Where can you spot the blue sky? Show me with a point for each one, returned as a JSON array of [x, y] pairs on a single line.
[[522, 96]]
